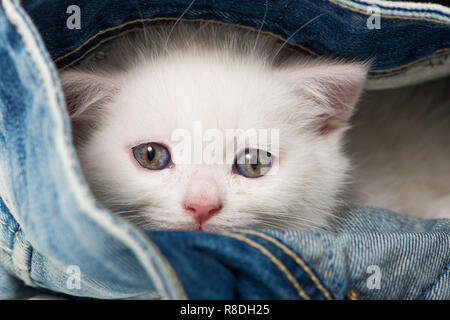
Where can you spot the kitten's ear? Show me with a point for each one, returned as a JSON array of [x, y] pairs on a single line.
[[332, 87], [85, 92]]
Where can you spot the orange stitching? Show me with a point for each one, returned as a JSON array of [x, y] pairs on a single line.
[[99, 44], [15, 262], [294, 256], [351, 294], [274, 260], [16, 237], [174, 19], [9, 228], [437, 53]]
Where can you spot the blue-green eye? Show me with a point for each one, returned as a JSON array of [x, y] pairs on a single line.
[[253, 163], [152, 156]]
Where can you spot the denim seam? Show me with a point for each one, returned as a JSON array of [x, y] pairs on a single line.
[[351, 295], [155, 19], [302, 264], [16, 237], [265, 251], [102, 41], [9, 228], [387, 72], [437, 53], [8, 206], [15, 262], [447, 267], [386, 15], [11, 250], [309, 51]]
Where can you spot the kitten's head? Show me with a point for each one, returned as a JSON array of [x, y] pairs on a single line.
[[159, 142]]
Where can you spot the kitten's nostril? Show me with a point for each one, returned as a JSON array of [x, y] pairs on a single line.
[[190, 209], [201, 212]]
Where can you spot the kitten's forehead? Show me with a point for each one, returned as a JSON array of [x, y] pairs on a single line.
[[178, 91]]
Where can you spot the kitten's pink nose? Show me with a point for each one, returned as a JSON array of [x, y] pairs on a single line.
[[202, 199], [202, 212]]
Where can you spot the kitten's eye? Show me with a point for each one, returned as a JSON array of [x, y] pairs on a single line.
[[152, 156], [253, 163]]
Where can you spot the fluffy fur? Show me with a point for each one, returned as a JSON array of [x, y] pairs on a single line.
[[169, 77], [400, 147]]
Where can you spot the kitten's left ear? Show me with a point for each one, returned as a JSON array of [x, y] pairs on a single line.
[[332, 89], [84, 90]]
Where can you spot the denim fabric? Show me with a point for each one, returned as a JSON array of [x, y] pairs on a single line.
[[49, 221], [409, 36]]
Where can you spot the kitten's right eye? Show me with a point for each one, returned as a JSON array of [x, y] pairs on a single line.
[[253, 163], [152, 156]]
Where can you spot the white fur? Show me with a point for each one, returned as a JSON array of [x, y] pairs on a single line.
[[171, 77]]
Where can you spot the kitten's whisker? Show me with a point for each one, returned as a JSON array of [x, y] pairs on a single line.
[[273, 219], [141, 15], [262, 25], [293, 34], [283, 226], [289, 223], [194, 34], [176, 23]]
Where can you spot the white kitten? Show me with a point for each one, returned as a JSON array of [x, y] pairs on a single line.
[[125, 109]]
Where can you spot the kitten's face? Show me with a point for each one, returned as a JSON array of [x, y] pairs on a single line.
[[132, 162]]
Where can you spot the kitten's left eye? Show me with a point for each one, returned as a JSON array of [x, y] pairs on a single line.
[[253, 163], [152, 156]]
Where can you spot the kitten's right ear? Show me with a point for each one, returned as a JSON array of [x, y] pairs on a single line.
[[85, 92], [332, 88]]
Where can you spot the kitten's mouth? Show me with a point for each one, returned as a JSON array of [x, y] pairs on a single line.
[[192, 226], [202, 227], [189, 227]]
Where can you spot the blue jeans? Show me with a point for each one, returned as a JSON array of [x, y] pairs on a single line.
[[55, 236]]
